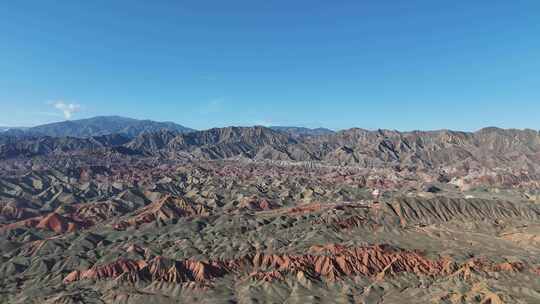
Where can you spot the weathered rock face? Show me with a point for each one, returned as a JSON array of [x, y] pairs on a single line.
[[329, 262], [157, 269], [125, 268], [165, 209], [56, 223], [69, 219], [50, 222], [488, 148], [443, 209], [338, 262]]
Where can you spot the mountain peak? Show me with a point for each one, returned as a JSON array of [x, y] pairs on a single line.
[[104, 125]]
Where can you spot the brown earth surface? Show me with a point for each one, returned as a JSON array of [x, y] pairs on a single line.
[[251, 215]]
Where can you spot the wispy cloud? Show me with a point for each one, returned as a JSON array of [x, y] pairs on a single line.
[[67, 109]]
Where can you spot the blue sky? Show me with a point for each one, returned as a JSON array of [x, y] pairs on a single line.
[[416, 64]]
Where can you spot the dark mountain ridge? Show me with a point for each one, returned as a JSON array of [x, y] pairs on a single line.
[[301, 131], [104, 125]]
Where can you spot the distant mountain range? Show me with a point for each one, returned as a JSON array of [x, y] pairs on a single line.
[[301, 131], [489, 147], [99, 126], [106, 125], [4, 129]]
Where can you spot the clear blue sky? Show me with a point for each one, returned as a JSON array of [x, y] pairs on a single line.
[[416, 64]]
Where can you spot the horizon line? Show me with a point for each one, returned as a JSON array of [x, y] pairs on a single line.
[[8, 127]]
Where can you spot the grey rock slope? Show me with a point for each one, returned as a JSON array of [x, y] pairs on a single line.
[[490, 147]]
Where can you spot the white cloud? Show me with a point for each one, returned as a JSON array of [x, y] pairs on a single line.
[[68, 109]]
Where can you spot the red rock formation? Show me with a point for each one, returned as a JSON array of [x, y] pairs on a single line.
[[339, 261], [94, 213], [157, 269], [266, 276], [70, 218], [121, 267], [330, 262], [167, 208], [137, 249], [265, 204], [53, 222], [509, 266], [56, 223], [202, 271], [308, 208], [72, 277], [335, 262], [256, 204], [477, 266]]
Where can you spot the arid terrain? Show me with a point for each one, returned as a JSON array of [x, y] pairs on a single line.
[[270, 215]]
